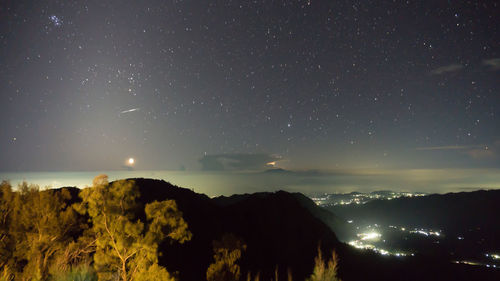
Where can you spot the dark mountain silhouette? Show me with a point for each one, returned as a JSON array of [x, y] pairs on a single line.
[[282, 230], [287, 234], [336, 224], [277, 229], [277, 171]]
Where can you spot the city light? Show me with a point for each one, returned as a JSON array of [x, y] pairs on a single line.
[[369, 236], [360, 245], [342, 199], [494, 256], [475, 263], [424, 232]]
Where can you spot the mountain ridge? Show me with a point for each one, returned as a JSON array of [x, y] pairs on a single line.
[[282, 231]]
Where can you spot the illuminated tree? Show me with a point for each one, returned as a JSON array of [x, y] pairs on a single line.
[[79, 273], [7, 242], [36, 227], [226, 252], [126, 248], [325, 271]]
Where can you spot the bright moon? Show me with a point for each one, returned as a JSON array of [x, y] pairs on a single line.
[[131, 161]]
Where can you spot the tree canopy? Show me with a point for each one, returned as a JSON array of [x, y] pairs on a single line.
[[127, 247], [227, 252], [35, 229]]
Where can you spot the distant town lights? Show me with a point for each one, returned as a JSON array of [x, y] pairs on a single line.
[[495, 256], [370, 236]]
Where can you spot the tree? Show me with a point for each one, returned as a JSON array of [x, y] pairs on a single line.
[[127, 248], [7, 242], [78, 273], [226, 252], [323, 271], [38, 225]]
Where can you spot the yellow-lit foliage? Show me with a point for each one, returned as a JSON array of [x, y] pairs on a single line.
[[126, 248], [227, 252], [35, 228], [7, 197], [325, 271]]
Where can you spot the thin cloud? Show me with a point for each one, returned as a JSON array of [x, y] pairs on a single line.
[[493, 63], [478, 152], [484, 153], [451, 147], [447, 69], [238, 161]]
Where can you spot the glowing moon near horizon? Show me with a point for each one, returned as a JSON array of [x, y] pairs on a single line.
[[131, 161]]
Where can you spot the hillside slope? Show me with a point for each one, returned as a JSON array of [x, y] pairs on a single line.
[[281, 230], [277, 229]]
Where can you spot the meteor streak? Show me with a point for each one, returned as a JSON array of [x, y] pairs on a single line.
[[130, 110]]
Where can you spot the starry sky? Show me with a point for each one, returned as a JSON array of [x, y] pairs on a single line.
[[217, 85]]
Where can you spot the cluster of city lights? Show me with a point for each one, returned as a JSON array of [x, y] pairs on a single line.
[[426, 232], [421, 231], [369, 236], [366, 241], [373, 236], [358, 244], [494, 256], [477, 264], [359, 198]]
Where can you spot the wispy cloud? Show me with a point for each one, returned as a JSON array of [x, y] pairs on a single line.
[[478, 151], [493, 63], [451, 147], [447, 68], [484, 153], [238, 161]]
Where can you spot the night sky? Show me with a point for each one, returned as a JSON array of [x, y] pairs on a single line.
[[215, 85]]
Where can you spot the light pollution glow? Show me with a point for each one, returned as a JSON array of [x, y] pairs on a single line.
[[214, 183]]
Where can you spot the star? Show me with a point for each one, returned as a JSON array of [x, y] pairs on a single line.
[[56, 21]]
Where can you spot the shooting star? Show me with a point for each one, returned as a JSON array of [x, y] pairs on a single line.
[[129, 110]]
